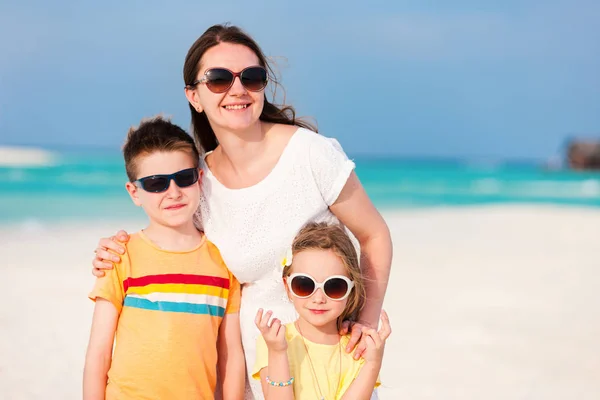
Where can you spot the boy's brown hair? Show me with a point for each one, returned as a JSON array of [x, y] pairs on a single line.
[[323, 236], [156, 135]]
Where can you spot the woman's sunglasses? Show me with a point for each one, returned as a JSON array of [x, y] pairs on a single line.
[[336, 287], [220, 80], [160, 183]]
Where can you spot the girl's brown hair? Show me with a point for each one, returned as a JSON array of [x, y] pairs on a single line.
[[323, 236], [203, 132]]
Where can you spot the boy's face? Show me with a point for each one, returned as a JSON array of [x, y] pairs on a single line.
[[175, 206]]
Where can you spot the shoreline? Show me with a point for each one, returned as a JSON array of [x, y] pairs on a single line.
[[389, 211]]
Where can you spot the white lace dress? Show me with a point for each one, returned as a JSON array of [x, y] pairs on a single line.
[[253, 226]]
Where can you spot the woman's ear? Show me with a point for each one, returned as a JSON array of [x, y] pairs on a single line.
[[192, 95]]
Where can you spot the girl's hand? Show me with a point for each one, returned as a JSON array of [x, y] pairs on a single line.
[[375, 341], [274, 335], [106, 252]]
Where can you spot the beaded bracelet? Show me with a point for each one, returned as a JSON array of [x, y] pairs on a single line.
[[280, 384]]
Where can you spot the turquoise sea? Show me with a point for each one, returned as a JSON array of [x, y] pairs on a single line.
[[90, 185]]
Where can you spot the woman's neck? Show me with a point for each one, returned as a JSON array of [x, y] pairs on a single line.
[[179, 238], [325, 334], [241, 150]]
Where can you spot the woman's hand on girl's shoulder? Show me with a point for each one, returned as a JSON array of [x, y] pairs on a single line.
[[356, 341], [108, 251], [273, 334], [375, 340]]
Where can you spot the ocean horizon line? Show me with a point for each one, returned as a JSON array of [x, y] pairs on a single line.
[[47, 152]]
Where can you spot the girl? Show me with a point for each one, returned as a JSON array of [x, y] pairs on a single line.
[[305, 359]]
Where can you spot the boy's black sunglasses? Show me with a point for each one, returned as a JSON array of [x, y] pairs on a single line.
[[160, 183], [220, 80]]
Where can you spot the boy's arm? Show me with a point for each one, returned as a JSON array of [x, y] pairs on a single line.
[[99, 352], [364, 384], [231, 362]]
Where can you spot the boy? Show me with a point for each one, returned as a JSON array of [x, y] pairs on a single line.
[[171, 300]]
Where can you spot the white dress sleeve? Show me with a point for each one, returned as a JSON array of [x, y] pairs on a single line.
[[330, 167]]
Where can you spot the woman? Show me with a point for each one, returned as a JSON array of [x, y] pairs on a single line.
[[266, 175]]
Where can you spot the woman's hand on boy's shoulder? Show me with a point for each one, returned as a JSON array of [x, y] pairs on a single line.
[[274, 334], [108, 251]]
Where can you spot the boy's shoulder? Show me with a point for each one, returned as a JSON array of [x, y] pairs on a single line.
[[135, 244], [214, 252], [134, 240], [207, 257], [139, 241]]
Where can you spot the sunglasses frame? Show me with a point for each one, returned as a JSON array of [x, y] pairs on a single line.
[[204, 78], [170, 177], [320, 285]]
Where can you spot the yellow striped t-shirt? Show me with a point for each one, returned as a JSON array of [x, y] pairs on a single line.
[[170, 306]]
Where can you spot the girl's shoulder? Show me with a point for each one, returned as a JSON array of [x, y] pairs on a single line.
[[344, 340], [291, 333]]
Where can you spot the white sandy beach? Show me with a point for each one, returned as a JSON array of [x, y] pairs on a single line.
[[486, 303]]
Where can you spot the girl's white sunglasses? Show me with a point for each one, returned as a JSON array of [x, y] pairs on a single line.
[[336, 287]]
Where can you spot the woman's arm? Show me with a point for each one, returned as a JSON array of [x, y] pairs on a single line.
[[108, 251], [99, 353], [362, 387], [232, 365], [355, 210]]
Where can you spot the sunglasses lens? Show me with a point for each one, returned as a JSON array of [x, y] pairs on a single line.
[[155, 185], [335, 288], [254, 78], [218, 80], [302, 286], [186, 177]]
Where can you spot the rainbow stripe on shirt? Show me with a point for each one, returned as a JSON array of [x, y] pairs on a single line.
[[185, 293]]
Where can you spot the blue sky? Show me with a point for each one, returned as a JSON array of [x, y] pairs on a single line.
[[507, 79]]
